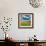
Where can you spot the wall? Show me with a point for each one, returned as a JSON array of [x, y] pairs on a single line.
[[45, 29], [11, 8]]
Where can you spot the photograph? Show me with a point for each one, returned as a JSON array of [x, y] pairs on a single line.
[[25, 20]]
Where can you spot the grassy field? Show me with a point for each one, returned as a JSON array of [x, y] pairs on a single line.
[[27, 23]]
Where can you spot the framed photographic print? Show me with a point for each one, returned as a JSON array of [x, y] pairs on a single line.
[[25, 20]]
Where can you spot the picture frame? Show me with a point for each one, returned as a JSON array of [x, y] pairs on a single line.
[[25, 20]]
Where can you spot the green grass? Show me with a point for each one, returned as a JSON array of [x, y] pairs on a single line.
[[25, 24]]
